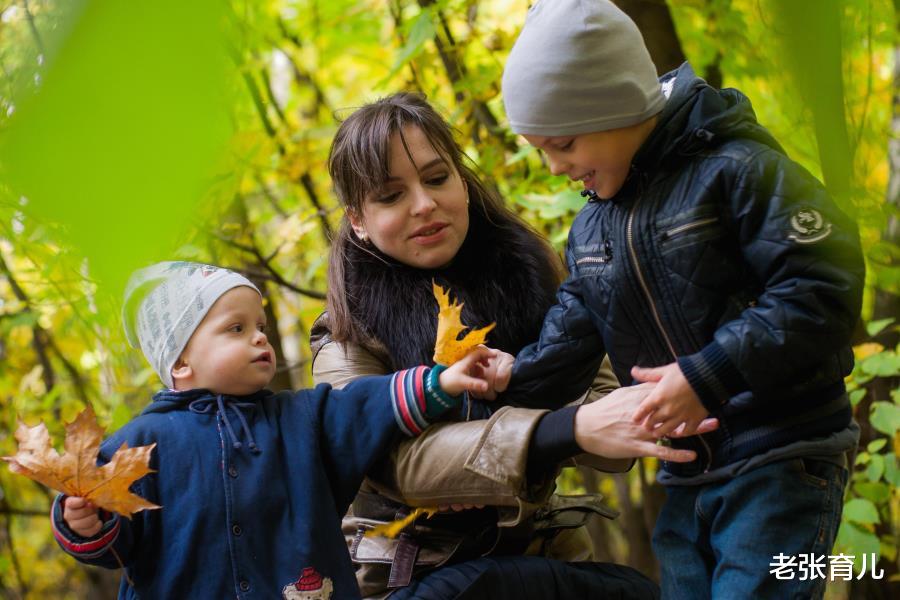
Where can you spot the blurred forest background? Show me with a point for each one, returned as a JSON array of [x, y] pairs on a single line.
[[103, 110]]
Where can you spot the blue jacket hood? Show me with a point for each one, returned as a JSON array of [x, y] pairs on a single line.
[[169, 400]]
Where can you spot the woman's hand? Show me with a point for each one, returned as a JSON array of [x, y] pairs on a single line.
[[607, 428]]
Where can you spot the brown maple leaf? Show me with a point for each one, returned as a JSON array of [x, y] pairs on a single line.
[[75, 472], [447, 348]]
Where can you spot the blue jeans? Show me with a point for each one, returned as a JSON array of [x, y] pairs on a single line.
[[529, 578], [718, 540]]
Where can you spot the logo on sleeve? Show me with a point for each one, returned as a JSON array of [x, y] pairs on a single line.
[[309, 586], [808, 226]]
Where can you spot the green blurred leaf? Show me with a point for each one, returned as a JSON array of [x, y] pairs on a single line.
[[885, 417], [883, 364], [875, 492], [856, 542], [861, 510], [124, 132], [856, 396], [876, 445], [876, 467], [875, 327], [891, 470]]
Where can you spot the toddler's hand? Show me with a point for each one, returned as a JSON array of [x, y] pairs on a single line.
[[81, 516], [496, 373], [672, 405], [467, 374]]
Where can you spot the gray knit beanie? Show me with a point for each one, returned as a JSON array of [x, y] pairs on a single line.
[[579, 66], [165, 303]]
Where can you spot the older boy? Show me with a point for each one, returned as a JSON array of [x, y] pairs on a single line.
[[709, 262], [252, 484]]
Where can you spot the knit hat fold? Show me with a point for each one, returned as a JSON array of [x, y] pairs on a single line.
[[165, 303], [579, 66]]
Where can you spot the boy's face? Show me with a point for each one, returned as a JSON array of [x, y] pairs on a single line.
[[600, 160], [229, 352]]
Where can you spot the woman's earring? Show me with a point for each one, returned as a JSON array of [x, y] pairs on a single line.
[[467, 199]]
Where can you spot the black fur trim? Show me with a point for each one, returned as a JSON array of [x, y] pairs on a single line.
[[502, 274]]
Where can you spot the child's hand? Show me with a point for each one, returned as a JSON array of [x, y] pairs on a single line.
[[467, 374], [672, 405], [82, 517], [496, 373]]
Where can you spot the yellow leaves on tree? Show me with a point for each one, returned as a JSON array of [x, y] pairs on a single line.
[[76, 473], [447, 348]]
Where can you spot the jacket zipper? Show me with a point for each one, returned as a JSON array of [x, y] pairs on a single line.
[[592, 259], [689, 226], [637, 268]]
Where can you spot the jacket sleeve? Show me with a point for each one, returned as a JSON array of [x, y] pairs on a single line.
[[559, 367], [805, 255], [408, 476]]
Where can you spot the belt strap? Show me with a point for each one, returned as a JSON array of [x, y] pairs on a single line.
[[404, 562]]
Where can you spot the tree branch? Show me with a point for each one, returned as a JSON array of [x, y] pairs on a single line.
[[41, 341], [31, 25], [269, 272], [456, 72]]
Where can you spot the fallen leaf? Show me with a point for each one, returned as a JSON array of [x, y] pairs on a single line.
[[75, 472], [393, 529], [447, 348]]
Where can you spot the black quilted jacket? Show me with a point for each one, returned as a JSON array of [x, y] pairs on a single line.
[[723, 254]]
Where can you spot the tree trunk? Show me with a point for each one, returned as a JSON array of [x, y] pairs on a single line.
[[887, 303], [654, 20]]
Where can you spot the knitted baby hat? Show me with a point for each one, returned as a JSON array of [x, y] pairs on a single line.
[[164, 304], [579, 66]]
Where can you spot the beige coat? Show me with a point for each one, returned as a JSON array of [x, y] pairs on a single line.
[[471, 462]]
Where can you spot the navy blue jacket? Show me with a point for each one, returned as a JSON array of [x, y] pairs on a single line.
[[723, 254], [252, 490]]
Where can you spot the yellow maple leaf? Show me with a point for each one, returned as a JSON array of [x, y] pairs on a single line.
[[393, 529], [447, 348], [75, 472]]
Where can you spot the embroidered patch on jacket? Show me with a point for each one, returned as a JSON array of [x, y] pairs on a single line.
[[808, 226], [309, 586]]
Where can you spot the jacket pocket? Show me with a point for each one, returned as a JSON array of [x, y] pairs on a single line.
[[593, 259], [690, 227]]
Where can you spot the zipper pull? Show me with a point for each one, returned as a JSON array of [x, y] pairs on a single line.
[[591, 195]]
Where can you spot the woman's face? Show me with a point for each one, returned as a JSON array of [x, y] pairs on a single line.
[[421, 216]]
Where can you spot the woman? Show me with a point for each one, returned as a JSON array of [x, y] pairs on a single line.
[[415, 212]]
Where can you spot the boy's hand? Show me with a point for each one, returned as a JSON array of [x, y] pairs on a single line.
[[82, 517], [672, 405], [467, 374], [496, 373]]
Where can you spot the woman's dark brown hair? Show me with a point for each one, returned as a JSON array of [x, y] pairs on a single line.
[[359, 165]]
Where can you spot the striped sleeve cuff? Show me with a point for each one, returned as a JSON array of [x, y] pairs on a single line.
[[76, 545], [408, 399], [712, 375], [416, 396]]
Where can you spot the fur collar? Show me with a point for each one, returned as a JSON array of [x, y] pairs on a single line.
[[501, 274]]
